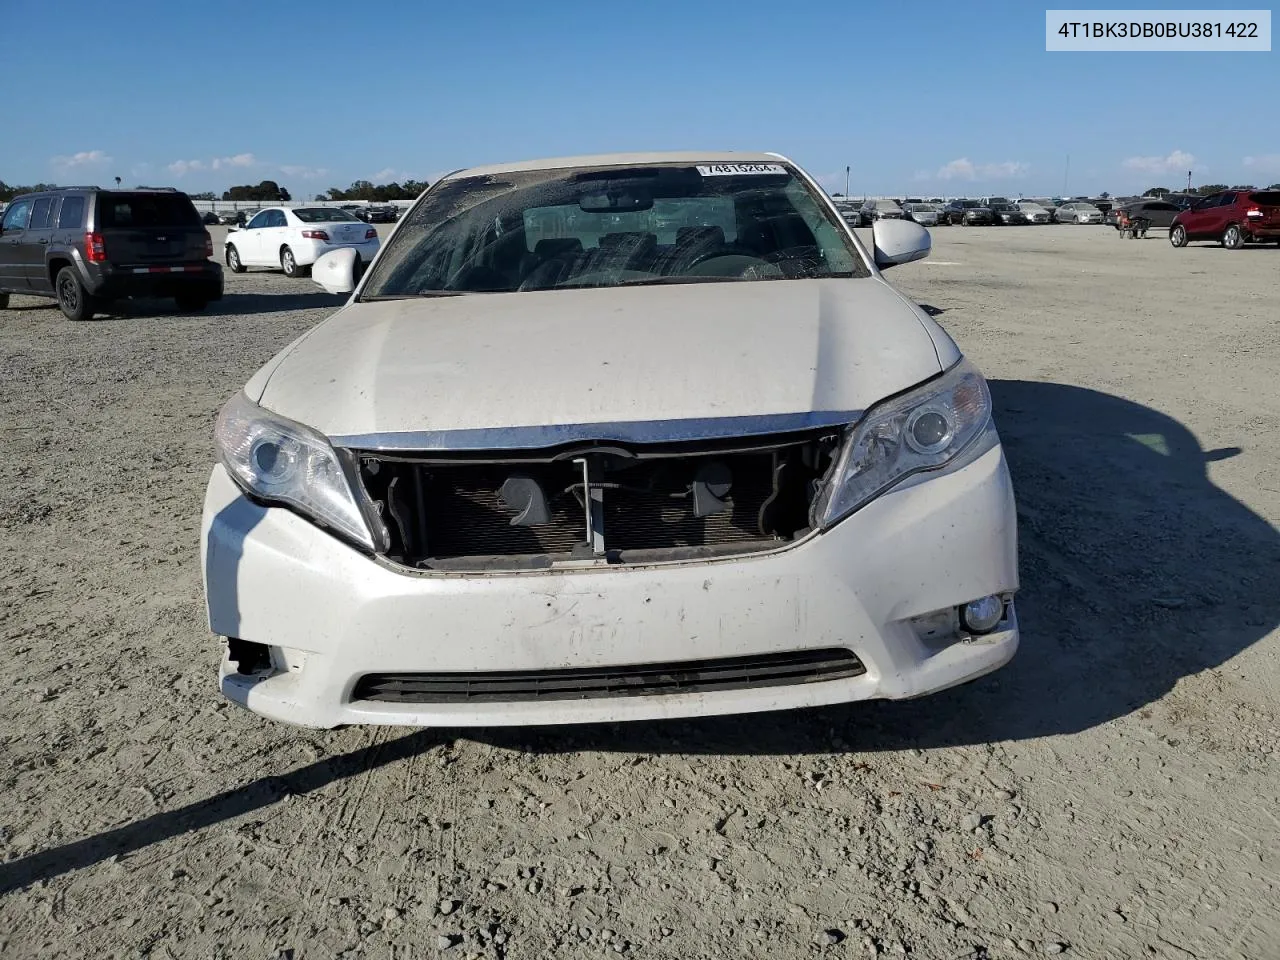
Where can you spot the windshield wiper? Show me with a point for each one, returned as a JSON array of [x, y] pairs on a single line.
[[419, 294], [654, 281]]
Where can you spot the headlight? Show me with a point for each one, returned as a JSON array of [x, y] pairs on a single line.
[[275, 459], [926, 429]]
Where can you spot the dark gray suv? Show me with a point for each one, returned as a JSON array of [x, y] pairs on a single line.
[[85, 246]]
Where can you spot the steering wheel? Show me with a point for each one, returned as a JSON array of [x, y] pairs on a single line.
[[737, 262], [797, 261]]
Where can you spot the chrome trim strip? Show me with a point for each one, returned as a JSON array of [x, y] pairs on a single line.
[[639, 431]]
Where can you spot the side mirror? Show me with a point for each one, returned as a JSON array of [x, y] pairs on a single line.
[[898, 241], [337, 271]]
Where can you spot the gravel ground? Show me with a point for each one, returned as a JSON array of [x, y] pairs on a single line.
[[1112, 793]]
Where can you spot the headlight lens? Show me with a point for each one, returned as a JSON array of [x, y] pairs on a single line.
[[918, 431], [279, 460]]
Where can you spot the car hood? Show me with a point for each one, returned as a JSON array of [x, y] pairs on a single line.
[[688, 352]]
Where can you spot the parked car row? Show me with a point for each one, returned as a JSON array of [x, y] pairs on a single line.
[[971, 212], [1232, 217], [373, 212]]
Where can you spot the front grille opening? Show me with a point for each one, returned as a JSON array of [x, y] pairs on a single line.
[[691, 676], [609, 504]]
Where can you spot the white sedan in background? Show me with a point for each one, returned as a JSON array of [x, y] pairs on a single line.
[[1079, 213], [925, 214], [1035, 213], [293, 239]]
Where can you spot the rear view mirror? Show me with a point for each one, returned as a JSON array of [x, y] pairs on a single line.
[[337, 271], [615, 203], [899, 241]]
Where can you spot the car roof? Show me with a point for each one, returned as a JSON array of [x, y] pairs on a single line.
[[618, 160]]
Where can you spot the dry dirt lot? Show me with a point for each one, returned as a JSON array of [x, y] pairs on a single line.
[[1112, 793]]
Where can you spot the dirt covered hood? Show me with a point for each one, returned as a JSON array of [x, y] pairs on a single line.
[[602, 356]]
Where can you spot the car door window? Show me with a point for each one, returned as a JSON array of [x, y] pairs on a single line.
[[275, 218], [41, 214], [15, 218], [71, 216], [259, 221]]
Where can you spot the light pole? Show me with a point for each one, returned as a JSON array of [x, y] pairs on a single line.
[[846, 181]]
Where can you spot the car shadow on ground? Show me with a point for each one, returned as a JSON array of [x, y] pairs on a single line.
[[202, 814], [1136, 572], [231, 304], [1269, 247], [241, 303]]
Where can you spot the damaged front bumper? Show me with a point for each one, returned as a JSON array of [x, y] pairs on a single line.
[[883, 584]]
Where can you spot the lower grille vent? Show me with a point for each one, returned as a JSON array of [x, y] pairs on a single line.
[[690, 676]]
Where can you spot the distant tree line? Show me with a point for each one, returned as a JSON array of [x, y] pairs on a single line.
[[1206, 189], [380, 193], [7, 192], [268, 191]]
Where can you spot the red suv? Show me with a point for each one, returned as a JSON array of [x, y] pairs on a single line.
[[1233, 217]]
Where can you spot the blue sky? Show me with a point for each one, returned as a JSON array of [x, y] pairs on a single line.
[[917, 97]]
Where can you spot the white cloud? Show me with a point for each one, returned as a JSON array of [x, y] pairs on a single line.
[[85, 158], [1268, 164], [1008, 170], [180, 168], [961, 169], [239, 160], [1176, 162], [965, 169], [305, 173]]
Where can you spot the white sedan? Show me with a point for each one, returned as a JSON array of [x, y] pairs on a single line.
[[292, 239], [1077, 212], [634, 436], [1035, 213]]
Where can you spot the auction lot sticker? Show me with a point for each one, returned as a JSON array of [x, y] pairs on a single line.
[[738, 169], [1154, 31]]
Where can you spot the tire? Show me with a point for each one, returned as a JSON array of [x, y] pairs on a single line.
[[291, 266], [191, 302], [233, 259], [4, 301], [1233, 237], [75, 302], [1178, 235]]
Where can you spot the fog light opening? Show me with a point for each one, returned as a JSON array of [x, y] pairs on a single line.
[[982, 615], [249, 657]]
